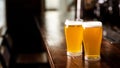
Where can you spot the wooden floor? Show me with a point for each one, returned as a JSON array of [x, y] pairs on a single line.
[[31, 61], [33, 65]]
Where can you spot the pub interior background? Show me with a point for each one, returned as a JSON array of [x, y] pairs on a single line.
[[22, 42]]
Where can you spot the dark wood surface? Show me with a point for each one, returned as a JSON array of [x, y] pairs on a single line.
[[54, 38]]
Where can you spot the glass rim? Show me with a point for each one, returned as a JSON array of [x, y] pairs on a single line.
[[73, 22], [92, 24]]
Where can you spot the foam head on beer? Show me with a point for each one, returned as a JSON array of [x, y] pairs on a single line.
[[73, 22], [92, 24]]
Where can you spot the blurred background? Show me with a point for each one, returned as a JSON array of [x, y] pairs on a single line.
[[20, 36]]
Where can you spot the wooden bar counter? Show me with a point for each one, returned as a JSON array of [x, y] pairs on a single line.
[[54, 38]]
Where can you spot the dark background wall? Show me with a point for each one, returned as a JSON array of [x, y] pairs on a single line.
[[22, 25]]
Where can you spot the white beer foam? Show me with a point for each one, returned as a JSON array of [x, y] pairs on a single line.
[[73, 22], [92, 23]]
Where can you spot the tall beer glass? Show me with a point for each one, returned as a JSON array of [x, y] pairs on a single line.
[[92, 36], [74, 37]]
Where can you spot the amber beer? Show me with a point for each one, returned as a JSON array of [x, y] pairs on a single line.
[[74, 37], [92, 37]]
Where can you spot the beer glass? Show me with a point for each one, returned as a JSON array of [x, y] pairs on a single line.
[[74, 36], [92, 37]]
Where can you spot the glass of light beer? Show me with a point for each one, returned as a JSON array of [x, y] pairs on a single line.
[[74, 36], [92, 37]]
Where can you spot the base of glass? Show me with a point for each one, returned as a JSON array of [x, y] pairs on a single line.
[[92, 58], [74, 53]]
